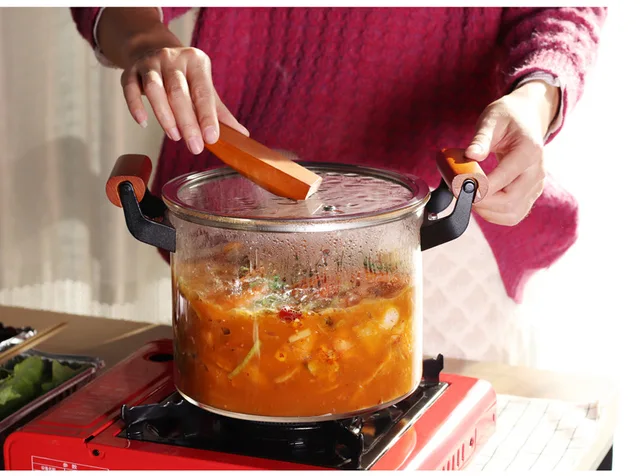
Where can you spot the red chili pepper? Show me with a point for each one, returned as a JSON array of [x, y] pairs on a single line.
[[288, 314]]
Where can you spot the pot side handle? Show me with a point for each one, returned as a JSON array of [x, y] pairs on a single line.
[[463, 179], [132, 168], [455, 169], [144, 213]]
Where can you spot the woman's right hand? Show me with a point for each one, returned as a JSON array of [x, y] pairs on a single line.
[[177, 82]]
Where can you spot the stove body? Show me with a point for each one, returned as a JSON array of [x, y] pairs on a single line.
[[131, 418]]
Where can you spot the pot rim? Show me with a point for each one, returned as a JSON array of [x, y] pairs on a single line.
[[416, 185]]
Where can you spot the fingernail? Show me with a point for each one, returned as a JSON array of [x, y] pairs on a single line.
[[210, 135], [140, 119], [174, 134], [195, 145], [475, 149], [246, 131]]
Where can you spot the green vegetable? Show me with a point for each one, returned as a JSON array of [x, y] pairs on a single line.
[[380, 266], [29, 379], [7, 393], [269, 301], [29, 370], [59, 374], [253, 351], [255, 282], [276, 284]]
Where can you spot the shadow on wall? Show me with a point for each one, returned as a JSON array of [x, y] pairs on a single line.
[[63, 123], [61, 237]]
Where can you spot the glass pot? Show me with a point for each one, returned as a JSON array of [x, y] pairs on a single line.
[[291, 311]]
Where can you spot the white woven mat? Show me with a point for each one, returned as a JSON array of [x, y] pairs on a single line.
[[538, 434]]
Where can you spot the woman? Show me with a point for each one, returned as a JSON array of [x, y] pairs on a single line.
[[385, 87]]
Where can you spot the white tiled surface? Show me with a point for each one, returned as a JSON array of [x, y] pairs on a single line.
[[536, 434]]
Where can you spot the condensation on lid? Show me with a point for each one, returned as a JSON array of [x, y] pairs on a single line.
[[346, 193]]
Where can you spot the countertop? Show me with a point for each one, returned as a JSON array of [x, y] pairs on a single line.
[[113, 340]]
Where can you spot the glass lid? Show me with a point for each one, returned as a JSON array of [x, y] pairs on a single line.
[[349, 197]]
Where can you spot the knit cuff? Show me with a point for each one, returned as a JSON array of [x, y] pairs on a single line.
[[102, 59]]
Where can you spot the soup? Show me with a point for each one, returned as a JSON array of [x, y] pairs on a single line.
[[250, 342]]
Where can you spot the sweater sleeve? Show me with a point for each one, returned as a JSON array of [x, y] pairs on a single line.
[[87, 18], [558, 43]]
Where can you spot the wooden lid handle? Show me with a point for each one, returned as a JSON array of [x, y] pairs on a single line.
[[455, 168], [263, 166], [132, 168]]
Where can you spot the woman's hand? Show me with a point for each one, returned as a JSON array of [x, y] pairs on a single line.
[[177, 81], [514, 128]]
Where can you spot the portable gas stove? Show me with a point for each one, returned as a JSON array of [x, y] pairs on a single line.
[[131, 418]]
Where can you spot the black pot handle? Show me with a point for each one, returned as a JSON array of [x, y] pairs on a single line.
[[144, 213], [461, 178]]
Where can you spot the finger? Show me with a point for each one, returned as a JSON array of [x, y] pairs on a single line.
[[154, 90], [182, 107], [528, 184], [511, 206], [510, 166], [489, 130], [204, 101], [133, 96], [511, 218], [498, 218]]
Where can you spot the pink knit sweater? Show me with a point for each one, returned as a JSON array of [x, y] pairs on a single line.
[[388, 87]]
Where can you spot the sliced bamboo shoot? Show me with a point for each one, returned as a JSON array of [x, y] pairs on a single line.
[[253, 351]]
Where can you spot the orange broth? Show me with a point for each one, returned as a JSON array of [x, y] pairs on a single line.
[[348, 348]]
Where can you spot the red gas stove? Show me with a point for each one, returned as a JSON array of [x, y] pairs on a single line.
[[131, 418]]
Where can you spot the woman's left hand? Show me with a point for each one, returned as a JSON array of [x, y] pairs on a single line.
[[514, 128]]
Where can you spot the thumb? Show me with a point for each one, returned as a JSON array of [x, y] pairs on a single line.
[[481, 143]]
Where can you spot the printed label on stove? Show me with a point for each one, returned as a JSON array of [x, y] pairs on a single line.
[[39, 463]]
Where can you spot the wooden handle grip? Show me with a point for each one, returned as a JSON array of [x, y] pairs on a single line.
[[132, 168], [263, 166], [455, 168]]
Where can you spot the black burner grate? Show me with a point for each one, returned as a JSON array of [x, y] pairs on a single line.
[[355, 443]]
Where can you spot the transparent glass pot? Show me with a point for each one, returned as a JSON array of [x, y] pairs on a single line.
[[290, 311]]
